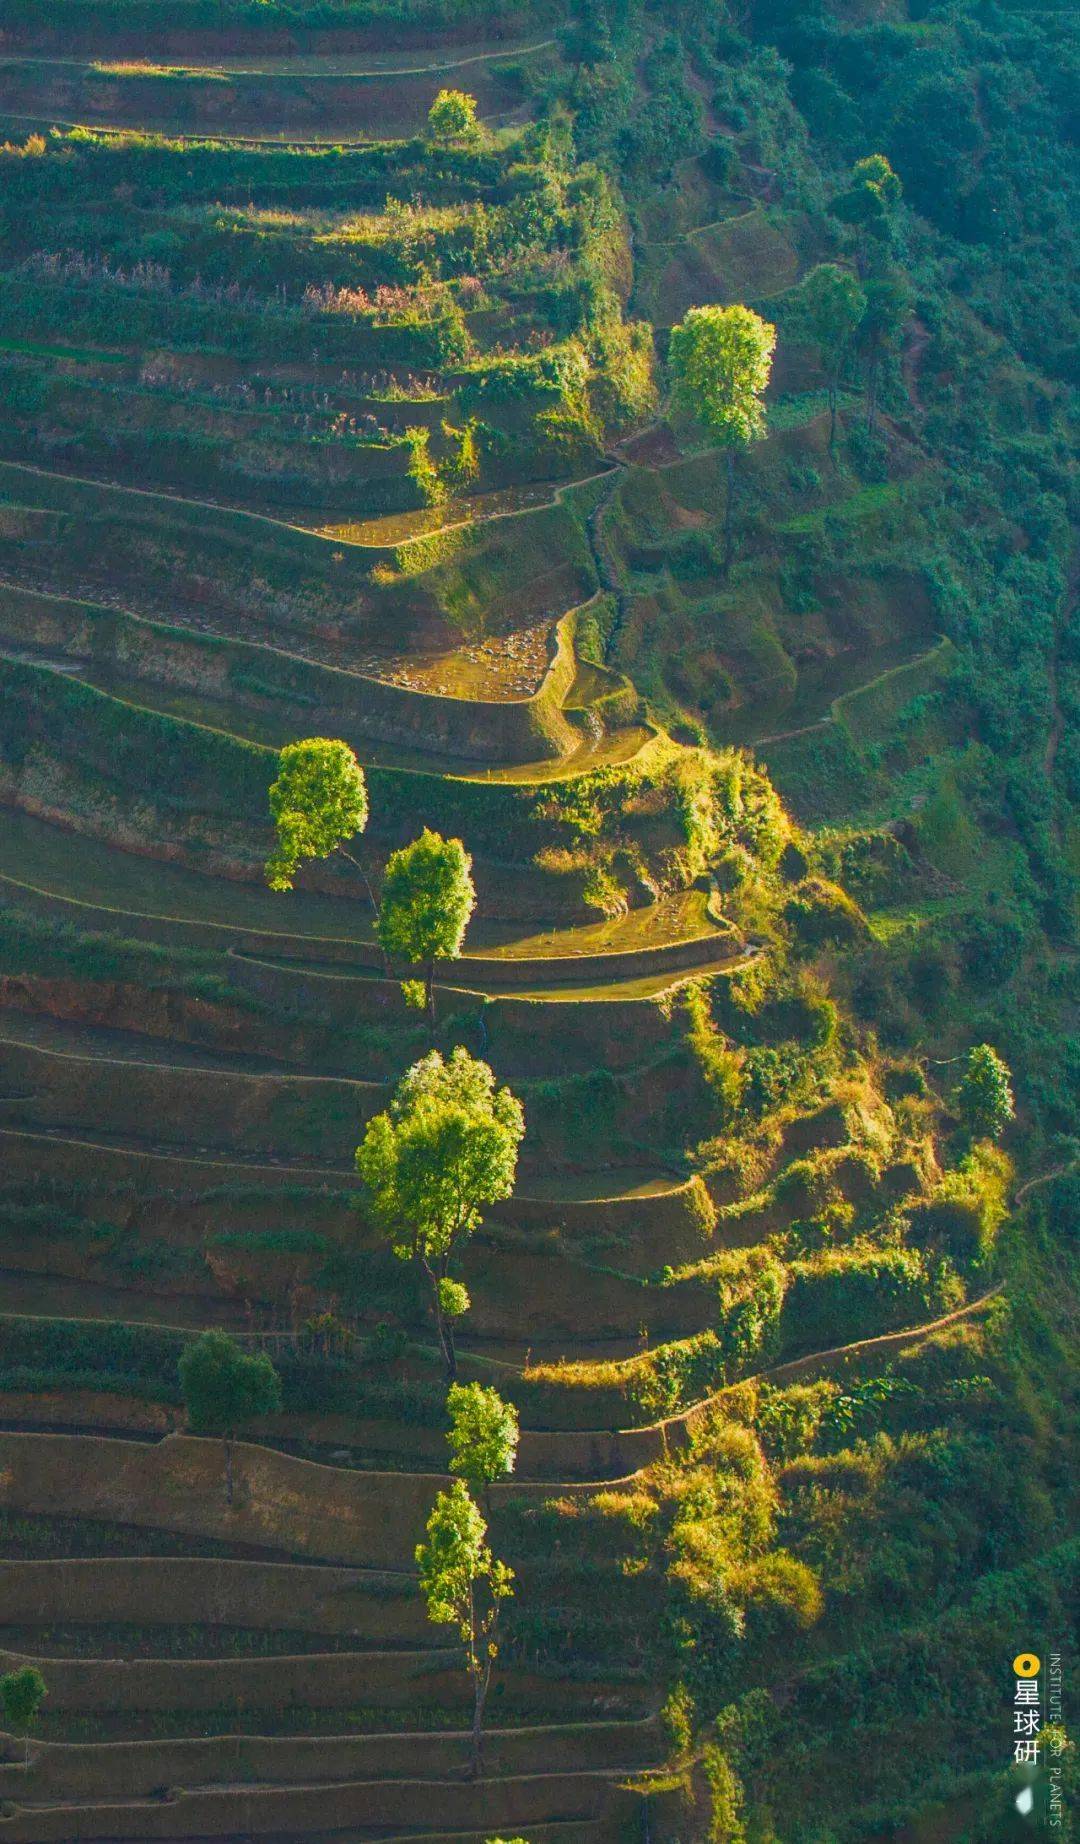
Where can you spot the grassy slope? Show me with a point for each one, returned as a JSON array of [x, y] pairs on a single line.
[[932, 777]]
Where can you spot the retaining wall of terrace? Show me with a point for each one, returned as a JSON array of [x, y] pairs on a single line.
[[133, 1770], [245, 102], [201, 1107], [272, 683], [650, 1229], [381, 1807], [151, 1590], [316, 1513], [421, 595]]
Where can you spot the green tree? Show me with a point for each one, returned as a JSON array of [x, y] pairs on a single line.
[[452, 116], [721, 360], [223, 1388], [985, 1097], [428, 896], [831, 304], [868, 200], [318, 801], [483, 1435], [447, 1145], [888, 310], [22, 1693], [464, 1586]]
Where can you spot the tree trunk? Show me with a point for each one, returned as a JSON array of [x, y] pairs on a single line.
[[871, 395], [729, 509], [429, 985], [228, 1469], [481, 1683], [359, 865], [832, 412], [443, 1329]]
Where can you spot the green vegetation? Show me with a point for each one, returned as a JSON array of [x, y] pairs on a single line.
[[428, 896], [833, 307], [447, 1146], [224, 1388], [452, 116], [484, 1434], [464, 1586], [721, 358], [22, 1693], [984, 1097], [381, 374], [318, 801]]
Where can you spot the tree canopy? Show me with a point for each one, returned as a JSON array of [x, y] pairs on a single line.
[[446, 1146], [22, 1693], [318, 802], [985, 1097], [452, 115], [224, 1387], [483, 1433], [721, 361], [873, 189], [428, 897]]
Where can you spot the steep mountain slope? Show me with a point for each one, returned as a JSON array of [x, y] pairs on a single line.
[[318, 423]]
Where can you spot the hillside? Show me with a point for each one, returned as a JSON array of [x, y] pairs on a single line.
[[330, 410]]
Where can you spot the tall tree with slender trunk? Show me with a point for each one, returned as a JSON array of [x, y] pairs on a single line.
[[483, 1436], [465, 1586], [428, 896], [831, 303], [721, 360], [887, 312], [446, 1146]]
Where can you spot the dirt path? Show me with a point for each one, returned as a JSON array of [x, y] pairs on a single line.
[[677, 1428], [555, 498], [1043, 1178], [284, 67]]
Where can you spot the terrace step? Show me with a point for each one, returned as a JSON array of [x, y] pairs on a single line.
[[342, 622], [91, 1042], [569, 1832], [54, 872], [364, 1605], [87, 637], [655, 1216], [571, 1458], [314, 99], [441, 695], [361, 1810], [622, 974], [134, 1770], [217, 1107]]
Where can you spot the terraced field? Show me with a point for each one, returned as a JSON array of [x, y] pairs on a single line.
[[315, 425], [167, 587]]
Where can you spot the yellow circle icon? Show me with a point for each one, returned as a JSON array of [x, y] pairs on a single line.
[[1026, 1665]]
